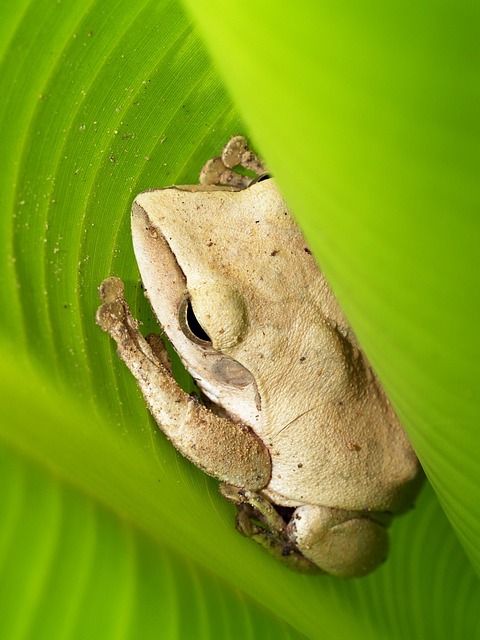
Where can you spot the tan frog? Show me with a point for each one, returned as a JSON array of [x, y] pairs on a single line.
[[296, 424]]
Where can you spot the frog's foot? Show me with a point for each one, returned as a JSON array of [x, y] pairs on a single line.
[[258, 519], [158, 348], [236, 153], [211, 442], [114, 317], [265, 511]]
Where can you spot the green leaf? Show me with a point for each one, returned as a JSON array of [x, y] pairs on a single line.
[[106, 531]]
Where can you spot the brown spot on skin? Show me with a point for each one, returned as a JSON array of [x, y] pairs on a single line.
[[299, 465], [353, 446], [274, 252], [307, 250]]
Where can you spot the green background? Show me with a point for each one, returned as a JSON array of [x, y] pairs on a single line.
[[367, 114]]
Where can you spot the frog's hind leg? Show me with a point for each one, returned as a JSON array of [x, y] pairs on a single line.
[[236, 153], [346, 544], [258, 519]]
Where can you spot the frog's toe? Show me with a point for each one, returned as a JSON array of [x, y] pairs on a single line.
[[111, 289]]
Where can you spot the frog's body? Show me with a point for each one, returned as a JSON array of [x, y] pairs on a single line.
[[240, 297]]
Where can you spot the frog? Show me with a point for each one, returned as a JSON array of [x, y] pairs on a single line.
[[294, 422]]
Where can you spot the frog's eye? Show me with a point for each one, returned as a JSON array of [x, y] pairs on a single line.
[[213, 314], [265, 176], [190, 325]]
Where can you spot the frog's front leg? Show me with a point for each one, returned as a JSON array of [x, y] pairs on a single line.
[[222, 448], [235, 153]]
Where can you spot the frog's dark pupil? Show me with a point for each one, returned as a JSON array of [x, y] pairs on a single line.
[[194, 325]]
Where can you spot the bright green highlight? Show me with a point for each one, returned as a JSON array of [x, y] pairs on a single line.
[[105, 528]]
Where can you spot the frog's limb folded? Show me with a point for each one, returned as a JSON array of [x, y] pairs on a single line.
[[317, 539], [222, 448], [263, 509], [345, 544], [258, 519]]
